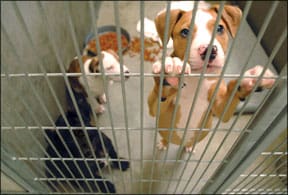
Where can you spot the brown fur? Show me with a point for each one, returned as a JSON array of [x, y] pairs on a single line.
[[231, 19], [75, 68]]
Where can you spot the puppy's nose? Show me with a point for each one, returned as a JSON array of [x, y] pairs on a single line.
[[127, 76], [203, 49]]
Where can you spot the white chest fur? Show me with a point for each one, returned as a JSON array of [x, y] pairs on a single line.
[[188, 97]]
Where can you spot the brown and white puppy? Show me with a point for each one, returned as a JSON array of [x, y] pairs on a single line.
[[178, 30], [96, 84]]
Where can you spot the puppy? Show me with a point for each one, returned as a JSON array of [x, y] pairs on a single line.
[[96, 84], [178, 30], [81, 139]]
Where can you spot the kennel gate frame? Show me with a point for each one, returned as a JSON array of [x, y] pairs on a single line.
[[28, 75]]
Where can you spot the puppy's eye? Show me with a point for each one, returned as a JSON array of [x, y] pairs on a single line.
[[220, 29], [184, 32], [110, 68]]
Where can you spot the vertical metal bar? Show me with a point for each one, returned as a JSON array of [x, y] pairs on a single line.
[[43, 70], [276, 49], [246, 10], [260, 165], [117, 22], [17, 177], [142, 7], [166, 38], [14, 146], [32, 135], [221, 8], [181, 80], [18, 58], [106, 91], [248, 150], [268, 173], [201, 79], [73, 34], [242, 73], [10, 150], [284, 72], [52, 41]]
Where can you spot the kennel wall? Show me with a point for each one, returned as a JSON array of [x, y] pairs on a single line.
[[39, 39]]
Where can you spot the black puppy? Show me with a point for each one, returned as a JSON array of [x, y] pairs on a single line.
[[81, 139]]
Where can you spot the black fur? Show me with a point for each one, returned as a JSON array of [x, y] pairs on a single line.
[[94, 136]]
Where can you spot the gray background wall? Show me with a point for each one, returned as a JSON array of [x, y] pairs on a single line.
[[18, 56], [255, 18]]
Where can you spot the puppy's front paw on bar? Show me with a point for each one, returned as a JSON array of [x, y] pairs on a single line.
[[173, 67], [161, 146], [247, 84]]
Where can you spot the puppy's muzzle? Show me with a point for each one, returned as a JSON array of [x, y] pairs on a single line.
[[203, 49]]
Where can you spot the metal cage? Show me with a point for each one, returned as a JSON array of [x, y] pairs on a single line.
[[39, 39]]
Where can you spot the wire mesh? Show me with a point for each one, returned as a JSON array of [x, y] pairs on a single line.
[[32, 99]]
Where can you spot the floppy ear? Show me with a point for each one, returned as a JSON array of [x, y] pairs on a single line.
[[231, 16], [175, 15], [91, 48], [94, 65], [74, 82]]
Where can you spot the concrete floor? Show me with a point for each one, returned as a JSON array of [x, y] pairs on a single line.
[[141, 143]]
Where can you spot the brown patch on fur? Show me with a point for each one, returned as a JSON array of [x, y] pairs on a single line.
[[231, 15], [91, 47], [175, 16], [223, 38], [74, 67], [179, 20], [94, 65]]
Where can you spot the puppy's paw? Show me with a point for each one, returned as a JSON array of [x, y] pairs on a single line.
[[188, 149], [102, 99], [124, 165], [247, 84], [100, 109], [161, 146], [173, 67]]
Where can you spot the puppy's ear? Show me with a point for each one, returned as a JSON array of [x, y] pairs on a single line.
[[74, 82], [231, 16], [91, 48], [175, 15], [94, 66]]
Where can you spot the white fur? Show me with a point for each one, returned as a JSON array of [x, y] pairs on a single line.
[[202, 37], [96, 83]]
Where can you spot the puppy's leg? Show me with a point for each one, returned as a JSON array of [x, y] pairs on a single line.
[[173, 67], [123, 164], [102, 99], [162, 144], [99, 108], [243, 91], [199, 135]]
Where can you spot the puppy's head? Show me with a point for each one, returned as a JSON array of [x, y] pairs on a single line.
[[92, 65], [202, 32], [111, 64]]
